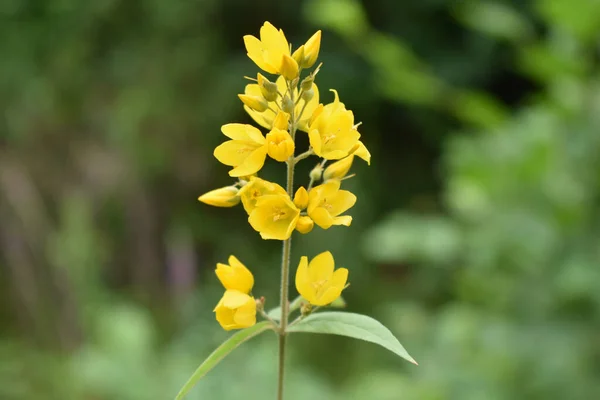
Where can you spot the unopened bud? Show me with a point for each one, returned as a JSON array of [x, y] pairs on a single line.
[[316, 173], [307, 95], [288, 68], [257, 103], [287, 104], [267, 88], [301, 198], [311, 50], [281, 120], [307, 83], [260, 303], [338, 169], [280, 145], [298, 55], [305, 224], [305, 309], [224, 197]]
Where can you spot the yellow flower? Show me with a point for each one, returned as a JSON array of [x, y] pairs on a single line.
[[326, 202], [307, 54], [235, 276], [265, 119], [246, 151], [274, 217], [253, 98], [331, 130], [338, 169], [301, 198], [268, 52], [317, 282], [254, 189], [280, 144], [305, 224], [227, 196], [236, 310]]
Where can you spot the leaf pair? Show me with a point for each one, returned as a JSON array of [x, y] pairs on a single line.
[[347, 324]]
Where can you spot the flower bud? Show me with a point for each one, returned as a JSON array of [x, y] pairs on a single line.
[[223, 197], [307, 83], [305, 224], [311, 50], [305, 309], [316, 173], [288, 68], [281, 121], [307, 95], [280, 145], [287, 104], [267, 88], [338, 169], [260, 303], [257, 103], [298, 55], [301, 198]]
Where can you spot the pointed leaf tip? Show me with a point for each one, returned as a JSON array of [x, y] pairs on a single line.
[[352, 325]]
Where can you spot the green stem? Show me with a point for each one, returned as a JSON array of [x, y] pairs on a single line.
[[285, 267]]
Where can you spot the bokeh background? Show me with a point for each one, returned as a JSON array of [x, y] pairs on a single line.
[[476, 237]]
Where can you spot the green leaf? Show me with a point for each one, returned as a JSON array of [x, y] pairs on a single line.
[[352, 325], [220, 352]]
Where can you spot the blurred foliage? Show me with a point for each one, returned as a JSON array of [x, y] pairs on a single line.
[[476, 236]]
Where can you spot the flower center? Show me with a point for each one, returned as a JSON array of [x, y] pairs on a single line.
[[318, 286], [278, 214]]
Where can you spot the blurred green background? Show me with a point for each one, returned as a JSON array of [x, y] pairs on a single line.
[[476, 236]]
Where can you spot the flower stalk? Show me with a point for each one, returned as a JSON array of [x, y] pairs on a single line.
[[284, 107]]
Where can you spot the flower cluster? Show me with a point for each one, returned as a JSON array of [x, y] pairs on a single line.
[[283, 107]]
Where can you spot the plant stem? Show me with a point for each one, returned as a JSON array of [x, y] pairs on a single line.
[[285, 266]]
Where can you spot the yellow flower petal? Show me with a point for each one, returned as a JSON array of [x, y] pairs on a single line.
[[345, 220], [321, 267], [252, 164], [264, 119], [234, 152], [254, 48], [322, 218], [363, 153], [235, 276], [328, 296], [303, 285], [234, 299], [339, 278], [256, 188]]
